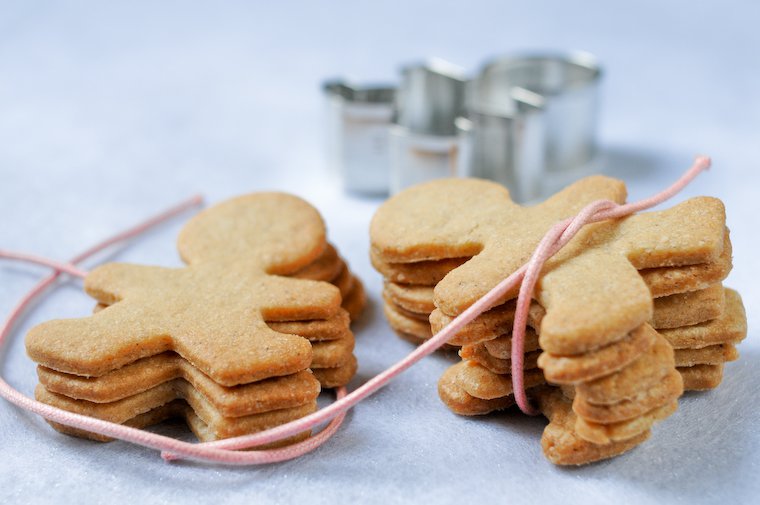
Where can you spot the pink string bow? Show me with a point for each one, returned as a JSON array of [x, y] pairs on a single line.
[[228, 451]]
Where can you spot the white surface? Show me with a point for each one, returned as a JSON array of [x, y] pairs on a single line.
[[108, 114]]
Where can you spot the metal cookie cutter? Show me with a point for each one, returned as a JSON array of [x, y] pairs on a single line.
[[357, 134], [423, 140], [531, 122]]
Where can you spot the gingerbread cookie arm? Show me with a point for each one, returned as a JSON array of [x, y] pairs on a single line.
[[97, 344], [591, 300], [690, 233], [112, 282], [289, 299], [468, 283]]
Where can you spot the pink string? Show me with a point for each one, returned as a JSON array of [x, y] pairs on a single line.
[[224, 451], [59, 267]]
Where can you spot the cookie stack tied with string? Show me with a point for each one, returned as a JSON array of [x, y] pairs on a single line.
[[590, 326], [241, 339]]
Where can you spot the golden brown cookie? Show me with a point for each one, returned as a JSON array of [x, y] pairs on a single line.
[[597, 363], [489, 325], [710, 355], [730, 327], [413, 298], [603, 258], [423, 273], [159, 310], [147, 373], [316, 330], [405, 312], [356, 300], [481, 383], [461, 402], [325, 268], [406, 325], [338, 376], [667, 390], [480, 355], [685, 309], [223, 342], [344, 281], [616, 432], [332, 353], [666, 281], [701, 377], [501, 347], [642, 374], [156, 309], [560, 442], [126, 410]]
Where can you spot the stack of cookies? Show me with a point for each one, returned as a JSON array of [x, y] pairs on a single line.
[[590, 327], [702, 324], [240, 340]]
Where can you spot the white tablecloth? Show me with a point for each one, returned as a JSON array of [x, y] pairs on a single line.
[[108, 114]]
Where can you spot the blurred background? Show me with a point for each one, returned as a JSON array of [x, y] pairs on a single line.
[[114, 103], [100, 96], [110, 111]]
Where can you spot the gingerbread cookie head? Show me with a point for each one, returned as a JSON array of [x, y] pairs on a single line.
[[591, 290], [280, 232], [214, 312]]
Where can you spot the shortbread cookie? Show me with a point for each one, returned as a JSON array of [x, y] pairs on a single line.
[[406, 325], [501, 347], [332, 353], [489, 325], [642, 374], [411, 297], [668, 389], [421, 273], [710, 355], [316, 330], [481, 383], [701, 377], [730, 327], [597, 363], [603, 257], [480, 355], [325, 268], [405, 312], [355, 301], [338, 376], [461, 402], [666, 281], [685, 309], [344, 281], [624, 430], [225, 342], [562, 445], [147, 373], [218, 427]]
